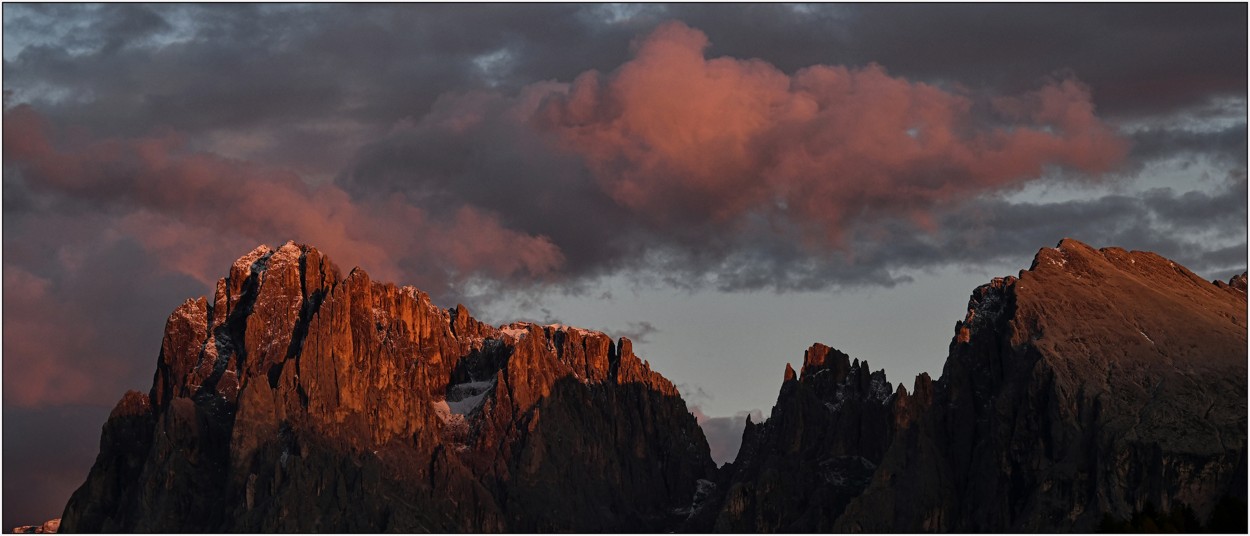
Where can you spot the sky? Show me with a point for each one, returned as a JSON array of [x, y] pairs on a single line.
[[724, 184]]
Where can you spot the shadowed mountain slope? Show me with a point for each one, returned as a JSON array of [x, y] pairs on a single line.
[[1096, 385]]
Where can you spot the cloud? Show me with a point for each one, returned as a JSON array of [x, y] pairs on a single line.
[[39, 355], [1228, 143], [708, 171], [70, 339], [682, 140], [309, 84], [47, 453], [1203, 230], [299, 86], [375, 111], [724, 434], [1117, 48], [638, 332], [163, 193]]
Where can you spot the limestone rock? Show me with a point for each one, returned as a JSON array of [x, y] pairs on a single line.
[[304, 400], [1097, 385]]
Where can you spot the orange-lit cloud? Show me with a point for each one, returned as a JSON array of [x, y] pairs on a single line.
[[676, 137], [43, 345], [196, 207]]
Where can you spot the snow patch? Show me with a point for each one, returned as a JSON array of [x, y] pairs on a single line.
[[245, 263], [465, 398], [288, 253], [702, 492], [569, 329], [379, 314], [879, 388], [454, 411], [515, 332], [839, 398], [846, 470]]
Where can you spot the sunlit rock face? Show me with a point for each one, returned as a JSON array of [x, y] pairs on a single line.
[[1094, 386], [48, 527], [302, 399]]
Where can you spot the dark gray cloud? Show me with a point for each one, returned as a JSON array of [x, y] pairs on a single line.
[[1175, 224], [296, 82], [74, 340], [47, 453], [1228, 143], [994, 231], [1141, 58], [294, 78], [639, 332]]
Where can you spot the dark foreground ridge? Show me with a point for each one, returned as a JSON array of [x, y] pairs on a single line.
[[1100, 389], [1098, 385]]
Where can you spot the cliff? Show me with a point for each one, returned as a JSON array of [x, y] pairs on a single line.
[[1095, 386], [1099, 389], [300, 399]]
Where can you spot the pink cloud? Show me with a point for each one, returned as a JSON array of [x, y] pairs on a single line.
[[44, 346], [200, 209], [679, 138], [724, 434]]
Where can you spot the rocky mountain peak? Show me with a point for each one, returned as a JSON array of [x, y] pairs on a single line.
[[1093, 384], [1100, 354], [1125, 298], [1234, 284], [295, 377], [820, 357], [48, 527]]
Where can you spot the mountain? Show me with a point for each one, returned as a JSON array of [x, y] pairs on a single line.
[[48, 527], [1097, 385], [302, 400], [1098, 390]]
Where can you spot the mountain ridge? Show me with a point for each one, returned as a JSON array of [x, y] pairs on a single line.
[[1050, 373], [296, 377], [1091, 386]]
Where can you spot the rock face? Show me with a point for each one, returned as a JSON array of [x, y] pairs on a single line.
[[1097, 385], [818, 449], [48, 527], [303, 400]]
